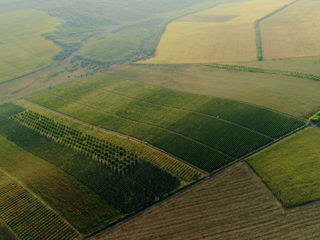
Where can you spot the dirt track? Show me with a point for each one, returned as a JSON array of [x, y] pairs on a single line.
[[234, 204]]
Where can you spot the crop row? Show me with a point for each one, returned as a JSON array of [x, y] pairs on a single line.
[[114, 157], [27, 216]]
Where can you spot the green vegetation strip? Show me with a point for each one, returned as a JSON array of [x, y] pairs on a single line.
[[291, 167], [315, 118], [258, 29], [114, 157], [263, 70]]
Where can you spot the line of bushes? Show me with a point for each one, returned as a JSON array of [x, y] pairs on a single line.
[[258, 29], [263, 70]]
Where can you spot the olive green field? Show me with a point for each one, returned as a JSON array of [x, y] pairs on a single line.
[[290, 168]]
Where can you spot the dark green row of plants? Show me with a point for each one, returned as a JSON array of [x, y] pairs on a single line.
[[114, 157], [130, 192], [258, 29], [263, 70]]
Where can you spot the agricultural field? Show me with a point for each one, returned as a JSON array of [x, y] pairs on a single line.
[[212, 209], [28, 216], [293, 32], [148, 119], [5, 233], [291, 167], [23, 49], [96, 194], [295, 96], [185, 125], [185, 173], [224, 33], [308, 65], [71, 199]]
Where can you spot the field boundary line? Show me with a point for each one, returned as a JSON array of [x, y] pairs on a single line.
[[266, 185], [26, 75], [144, 123], [38, 197], [261, 148], [190, 111], [243, 68], [140, 211], [212, 174], [257, 28], [282, 204], [116, 134], [284, 207], [9, 228]]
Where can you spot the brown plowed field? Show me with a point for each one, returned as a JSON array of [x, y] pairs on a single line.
[[234, 204]]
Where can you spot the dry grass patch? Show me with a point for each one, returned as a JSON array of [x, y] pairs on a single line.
[[294, 32]]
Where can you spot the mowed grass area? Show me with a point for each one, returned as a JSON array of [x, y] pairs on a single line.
[[207, 132], [29, 217], [23, 49], [127, 193], [293, 32], [84, 209], [221, 34], [291, 167], [297, 97]]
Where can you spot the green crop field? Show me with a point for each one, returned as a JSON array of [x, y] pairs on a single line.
[[71, 199], [111, 195], [27, 216], [185, 173], [185, 125], [23, 49], [295, 96], [5, 233], [291, 167]]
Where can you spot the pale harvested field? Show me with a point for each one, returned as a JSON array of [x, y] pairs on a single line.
[[294, 32], [298, 97], [221, 34], [235, 204]]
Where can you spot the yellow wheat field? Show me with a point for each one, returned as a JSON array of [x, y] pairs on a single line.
[[221, 34], [294, 32]]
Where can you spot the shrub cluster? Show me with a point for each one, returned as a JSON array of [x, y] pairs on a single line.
[[315, 118]]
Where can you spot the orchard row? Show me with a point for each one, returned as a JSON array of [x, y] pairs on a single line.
[[114, 157]]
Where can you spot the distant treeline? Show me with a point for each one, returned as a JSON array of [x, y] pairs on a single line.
[[263, 70]]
